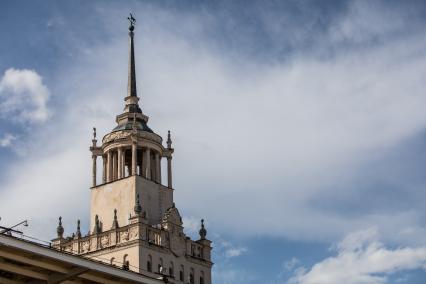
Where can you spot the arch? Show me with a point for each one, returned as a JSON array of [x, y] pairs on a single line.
[[181, 273], [160, 265], [149, 263], [191, 276], [126, 264], [202, 277], [171, 269], [112, 260]]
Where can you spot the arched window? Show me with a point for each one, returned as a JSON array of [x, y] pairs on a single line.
[[202, 277], [181, 273], [191, 276], [160, 266], [112, 260], [126, 264], [171, 269], [149, 263]]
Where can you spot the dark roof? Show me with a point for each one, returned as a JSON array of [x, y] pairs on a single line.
[[140, 125]]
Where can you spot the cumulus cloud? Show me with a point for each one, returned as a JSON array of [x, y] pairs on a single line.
[[254, 142], [362, 259], [7, 140], [23, 96]]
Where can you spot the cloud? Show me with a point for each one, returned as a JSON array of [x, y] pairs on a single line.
[[233, 252], [362, 259], [23, 96], [291, 264], [254, 141], [7, 140]]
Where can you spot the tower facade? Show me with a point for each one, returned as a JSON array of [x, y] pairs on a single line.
[[134, 223]]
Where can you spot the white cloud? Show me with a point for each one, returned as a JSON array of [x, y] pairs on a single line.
[[254, 143], [291, 264], [23, 96], [7, 140], [233, 252], [362, 259]]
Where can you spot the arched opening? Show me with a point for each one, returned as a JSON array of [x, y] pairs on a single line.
[[171, 269], [191, 276], [181, 273], [202, 277], [149, 263], [112, 261], [126, 263], [160, 266]]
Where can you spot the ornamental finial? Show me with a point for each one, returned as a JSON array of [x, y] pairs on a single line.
[[97, 228], [78, 233], [60, 229], [169, 140], [138, 207], [94, 133], [115, 222], [203, 231]]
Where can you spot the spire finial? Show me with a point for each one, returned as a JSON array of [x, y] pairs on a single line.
[[60, 229], [132, 21], [138, 207], [78, 233], [169, 140], [94, 133], [203, 231], [131, 84], [115, 222], [97, 228]]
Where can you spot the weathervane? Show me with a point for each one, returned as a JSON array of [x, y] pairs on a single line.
[[132, 21]]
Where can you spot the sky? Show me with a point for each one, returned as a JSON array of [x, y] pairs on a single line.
[[298, 126]]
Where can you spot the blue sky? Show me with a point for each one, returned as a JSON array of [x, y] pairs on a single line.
[[299, 126]]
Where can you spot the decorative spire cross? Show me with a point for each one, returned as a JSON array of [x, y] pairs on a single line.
[[132, 21]]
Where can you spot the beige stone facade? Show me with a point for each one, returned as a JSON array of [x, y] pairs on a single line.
[[134, 223]]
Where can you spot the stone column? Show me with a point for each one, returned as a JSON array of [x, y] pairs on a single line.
[[94, 170], [158, 166], [143, 163], [104, 171], [169, 172], [134, 157], [120, 163], [114, 165], [148, 164], [109, 166]]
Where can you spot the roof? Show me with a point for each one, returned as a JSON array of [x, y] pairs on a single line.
[[26, 261], [139, 125]]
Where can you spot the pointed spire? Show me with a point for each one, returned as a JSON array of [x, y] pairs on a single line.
[[97, 228], [60, 229], [115, 222], [131, 83], [169, 140], [138, 207], [203, 231], [78, 232]]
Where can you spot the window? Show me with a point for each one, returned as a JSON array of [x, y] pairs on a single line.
[[202, 277], [160, 266], [149, 263], [191, 276], [181, 272], [112, 261], [126, 264], [171, 269]]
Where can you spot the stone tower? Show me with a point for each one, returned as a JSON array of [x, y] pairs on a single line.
[[134, 223]]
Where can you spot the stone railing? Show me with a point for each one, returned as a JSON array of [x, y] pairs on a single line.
[[137, 231], [94, 242]]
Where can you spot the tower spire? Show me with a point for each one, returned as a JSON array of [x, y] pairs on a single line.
[[131, 99], [131, 81]]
